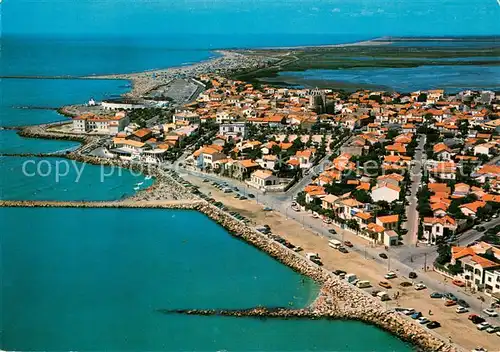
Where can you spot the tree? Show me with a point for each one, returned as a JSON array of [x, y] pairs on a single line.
[[422, 98], [444, 254], [362, 196]]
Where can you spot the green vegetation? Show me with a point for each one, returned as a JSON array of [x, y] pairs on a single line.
[[332, 58]]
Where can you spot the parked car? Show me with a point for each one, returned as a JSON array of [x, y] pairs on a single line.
[[406, 284], [206, 180], [343, 250], [451, 296], [433, 325], [412, 275], [383, 255], [384, 284], [390, 275], [348, 244], [450, 303], [408, 311], [458, 283], [483, 326], [374, 293], [436, 295], [492, 329], [423, 320], [490, 312], [332, 231], [416, 315], [476, 319], [420, 286], [338, 272], [462, 303], [250, 195], [460, 310]]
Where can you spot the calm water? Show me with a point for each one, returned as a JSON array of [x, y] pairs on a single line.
[[11, 142], [61, 179], [92, 279], [70, 288], [451, 78], [18, 95]]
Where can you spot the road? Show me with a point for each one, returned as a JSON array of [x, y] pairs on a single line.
[[412, 216], [403, 259]]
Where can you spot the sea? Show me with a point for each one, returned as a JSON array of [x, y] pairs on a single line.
[[94, 279]]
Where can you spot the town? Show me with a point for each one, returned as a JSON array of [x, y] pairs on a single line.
[[413, 177]]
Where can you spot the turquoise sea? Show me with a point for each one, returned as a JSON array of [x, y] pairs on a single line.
[[92, 279]]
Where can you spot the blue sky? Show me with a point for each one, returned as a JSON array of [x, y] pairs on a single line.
[[161, 17]]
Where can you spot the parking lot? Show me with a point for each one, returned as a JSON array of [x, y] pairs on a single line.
[[454, 326]]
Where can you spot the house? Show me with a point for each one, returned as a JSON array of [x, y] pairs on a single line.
[[329, 202], [475, 263], [207, 156], [186, 116], [391, 238], [268, 162], [470, 209], [393, 179], [385, 192], [305, 158], [445, 170], [442, 152], [363, 219], [484, 149], [314, 192], [389, 222], [110, 125], [263, 179], [375, 232], [436, 229], [237, 129], [461, 190]]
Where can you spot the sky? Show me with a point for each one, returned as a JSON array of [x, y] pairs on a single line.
[[164, 17]]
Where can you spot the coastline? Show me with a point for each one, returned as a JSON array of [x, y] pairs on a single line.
[[336, 300]]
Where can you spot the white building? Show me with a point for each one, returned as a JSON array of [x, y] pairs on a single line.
[[263, 179], [435, 229], [90, 123], [385, 192], [237, 129]]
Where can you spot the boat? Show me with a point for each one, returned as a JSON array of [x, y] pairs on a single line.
[[147, 177], [139, 184], [137, 188]]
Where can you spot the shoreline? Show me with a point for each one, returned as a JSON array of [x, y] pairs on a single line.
[[336, 300]]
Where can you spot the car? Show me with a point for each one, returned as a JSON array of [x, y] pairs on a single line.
[[460, 310], [476, 319], [416, 315], [406, 284], [436, 295], [458, 283], [433, 325], [250, 195], [408, 311], [451, 296], [343, 250], [206, 180], [243, 198], [384, 284], [374, 293], [420, 286], [267, 209], [483, 326], [383, 255], [492, 329], [348, 244], [423, 320], [390, 275], [332, 231], [490, 312], [412, 275], [462, 303], [450, 303], [338, 272]]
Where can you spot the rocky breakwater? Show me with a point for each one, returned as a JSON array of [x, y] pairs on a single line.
[[42, 132], [173, 204], [336, 300]]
